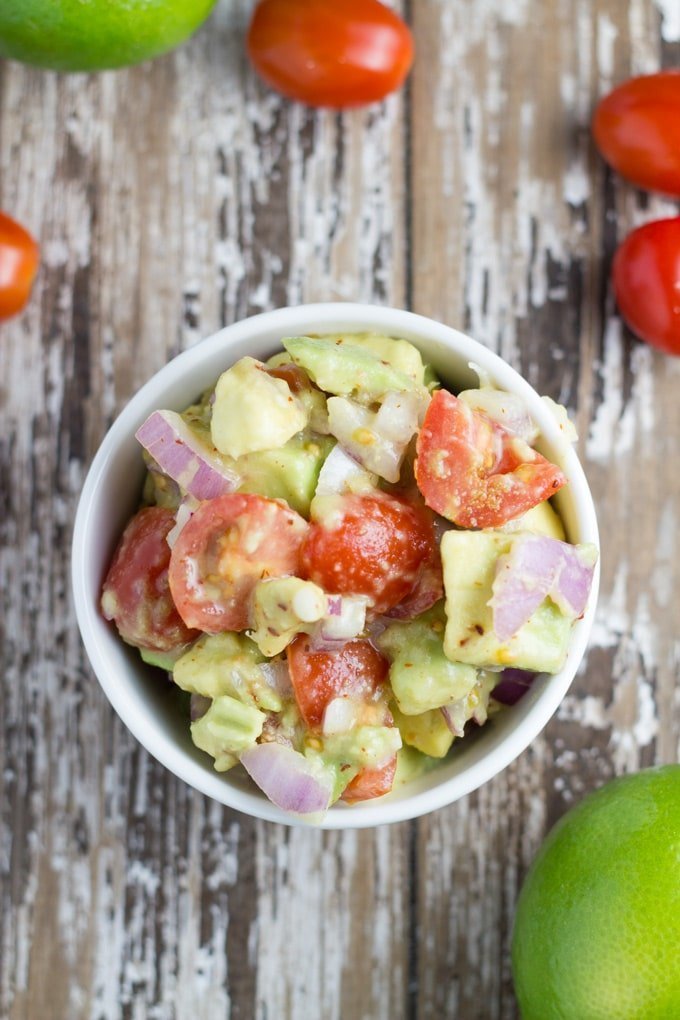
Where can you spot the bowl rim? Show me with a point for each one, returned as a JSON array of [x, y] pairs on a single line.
[[333, 317]]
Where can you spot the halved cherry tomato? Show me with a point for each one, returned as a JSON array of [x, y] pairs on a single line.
[[474, 472], [136, 594], [371, 783], [19, 258], [372, 545], [357, 669], [429, 587], [646, 278], [330, 54], [226, 547], [637, 129]]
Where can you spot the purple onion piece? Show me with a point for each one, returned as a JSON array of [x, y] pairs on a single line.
[[535, 567], [512, 685], [287, 778], [184, 457]]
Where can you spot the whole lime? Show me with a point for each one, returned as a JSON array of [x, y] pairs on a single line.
[[597, 930], [91, 35]]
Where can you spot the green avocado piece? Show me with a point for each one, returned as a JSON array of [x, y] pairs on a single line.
[[163, 660], [347, 369], [421, 676], [253, 410], [290, 472], [469, 559], [227, 729], [411, 765], [540, 520], [363, 746], [398, 353], [283, 607], [427, 732], [226, 664]]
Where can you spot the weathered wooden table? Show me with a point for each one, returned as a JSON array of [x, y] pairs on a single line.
[[174, 198]]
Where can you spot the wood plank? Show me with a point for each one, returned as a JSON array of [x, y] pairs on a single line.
[[167, 205], [514, 226]]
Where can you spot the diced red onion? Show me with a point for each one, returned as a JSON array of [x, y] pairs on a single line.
[[508, 409], [288, 779], [345, 619], [183, 455], [512, 685], [537, 567], [277, 675], [198, 706], [337, 473], [455, 717]]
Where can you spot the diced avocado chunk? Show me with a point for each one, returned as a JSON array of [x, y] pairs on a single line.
[[226, 664], [253, 410], [398, 353], [540, 520], [227, 729], [469, 559], [421, 676], [282, 608], [364, 746], [290, 472], [431, 380], [427, 732], [411, 764], [163, 660], [347, 370]]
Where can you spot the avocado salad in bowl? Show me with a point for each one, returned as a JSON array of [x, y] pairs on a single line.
[[347, 559]]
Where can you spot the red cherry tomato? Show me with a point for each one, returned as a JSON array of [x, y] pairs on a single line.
[[371, 783], [330, 53], [646, 278], [357, 669], [136, 594], [225, 548], [637, 130], [19, 258], [375, 546], [476, 473]]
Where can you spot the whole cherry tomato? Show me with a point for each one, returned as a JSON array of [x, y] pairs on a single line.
[[646, 277], [19, 257], [330, 53], [637, 130]]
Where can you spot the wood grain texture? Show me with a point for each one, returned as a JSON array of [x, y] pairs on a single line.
[[176, 197]]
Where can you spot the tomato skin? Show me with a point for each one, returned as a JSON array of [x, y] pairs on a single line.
[[637, 130], [473, 471], [19, 259], [375, 546], [136, 594], [371, 783], [330, 54], [227, 546], [317, 677], [646, 279]]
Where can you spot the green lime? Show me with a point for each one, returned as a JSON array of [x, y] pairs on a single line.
[[90, 35], [597, 930]]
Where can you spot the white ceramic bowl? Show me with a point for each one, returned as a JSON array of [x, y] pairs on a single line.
[[111, 493]]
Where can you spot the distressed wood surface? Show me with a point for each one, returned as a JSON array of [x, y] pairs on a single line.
[[174, 198]]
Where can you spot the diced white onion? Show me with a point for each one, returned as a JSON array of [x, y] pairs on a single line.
[[508, 409]]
